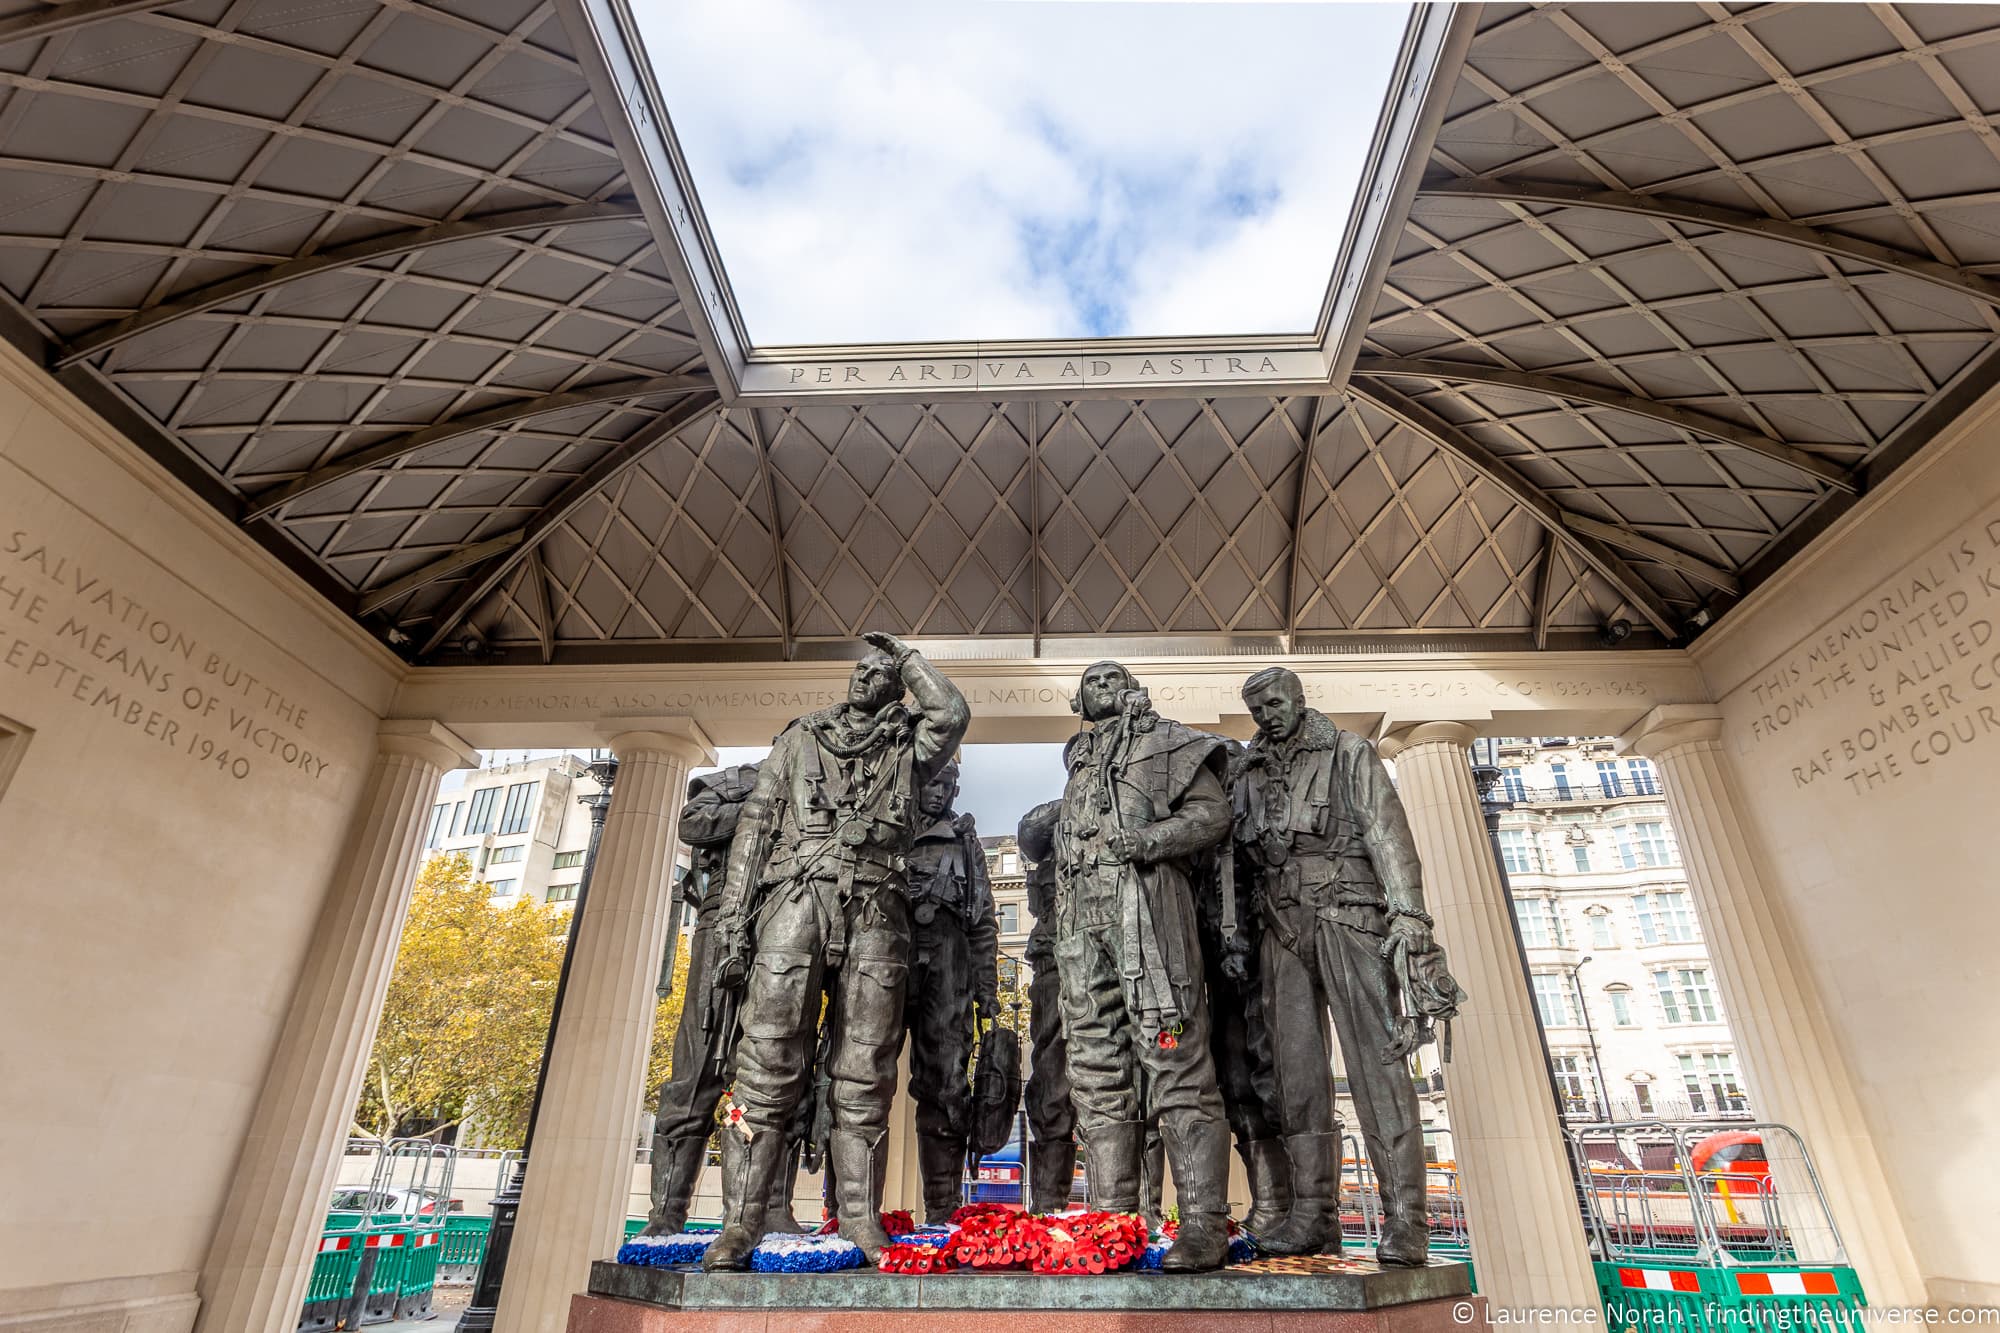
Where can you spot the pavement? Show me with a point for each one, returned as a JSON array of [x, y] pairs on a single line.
[[446, 1305]]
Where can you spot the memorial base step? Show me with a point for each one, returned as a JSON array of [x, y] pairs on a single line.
[[1326, 1295]]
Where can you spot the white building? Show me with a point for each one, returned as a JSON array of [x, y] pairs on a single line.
[[1616, 958], [522, 824]]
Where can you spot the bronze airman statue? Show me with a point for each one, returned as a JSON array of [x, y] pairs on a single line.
[[818, 879]]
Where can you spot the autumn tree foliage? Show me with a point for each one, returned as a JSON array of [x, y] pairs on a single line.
[[467, 1012]]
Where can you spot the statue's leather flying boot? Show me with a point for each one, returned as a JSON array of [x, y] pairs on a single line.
[[1111, 1165], [779, 1216], [1051, 1175], [677, 1164], [941, 1163], [1313, 1225], [1152, 1181], [1270, 1174], [1406, 1232], [743, 1225], [1198, 1148], [859, 1168]]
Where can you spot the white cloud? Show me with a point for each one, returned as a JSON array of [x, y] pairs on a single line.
[[881, 171]]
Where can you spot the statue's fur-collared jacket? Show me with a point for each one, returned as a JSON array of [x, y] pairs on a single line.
[[1319, 819], [1170, 791]]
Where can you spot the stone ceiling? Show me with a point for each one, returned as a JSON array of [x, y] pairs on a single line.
[[1681, 281]]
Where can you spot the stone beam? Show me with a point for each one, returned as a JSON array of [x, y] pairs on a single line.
[[1604, 562], [471, 423], [204, 299], [1687, 213], [1022, 699], [1557, 386], [606, 470], [48, 22]]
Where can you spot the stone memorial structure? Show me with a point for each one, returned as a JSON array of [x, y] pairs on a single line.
[[373, 395]]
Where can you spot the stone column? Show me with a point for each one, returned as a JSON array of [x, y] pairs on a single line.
[[1520, 1202], [1793, 1069], [261, 1256], [580, 1164], [902, 1178]]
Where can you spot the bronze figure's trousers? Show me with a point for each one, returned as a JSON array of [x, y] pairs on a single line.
[[686, 1114], [1241, 1043], [781, 1007], [1343, 974], [939, 1014], [1051, 1117], [1107, 1052]]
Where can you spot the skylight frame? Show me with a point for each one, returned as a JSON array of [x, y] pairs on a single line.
[[608, 48]]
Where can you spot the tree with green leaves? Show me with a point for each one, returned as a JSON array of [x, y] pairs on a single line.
[[467, 1012]]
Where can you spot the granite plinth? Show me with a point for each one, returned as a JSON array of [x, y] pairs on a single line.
[[1345, 1296]]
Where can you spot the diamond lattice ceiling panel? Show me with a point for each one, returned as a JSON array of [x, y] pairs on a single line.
[[1679, 282]]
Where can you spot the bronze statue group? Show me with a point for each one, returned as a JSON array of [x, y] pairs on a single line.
[[1209, 918]]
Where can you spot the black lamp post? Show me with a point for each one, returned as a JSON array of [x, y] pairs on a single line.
[[485, 1304], [1590, 1030], [1492, 805]]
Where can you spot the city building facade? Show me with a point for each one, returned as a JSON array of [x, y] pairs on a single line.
[[1616, 956]]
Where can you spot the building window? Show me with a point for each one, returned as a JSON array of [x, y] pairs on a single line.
[[520, 799], [479, 819], [1642, 1096], [1511, 785], [1514, 851], [1710, 1079], [1607, 778], [502, 887], [1600, 929], [571, 860], [1559, 774], [1645, 844], [1579, 855], [1664, 918], [458, 819], [1552, 998], [1655, 847], [1541, 924], [561, 893], [1573, 1081], [505, 855], [1640, 775], [1010, 863], [1685, 996], [1010, 918], [1621, 1005]]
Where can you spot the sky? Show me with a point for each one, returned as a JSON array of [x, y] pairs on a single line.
[[875, 170]]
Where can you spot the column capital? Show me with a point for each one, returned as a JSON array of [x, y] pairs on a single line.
[[1426, 733], [425, 739], [679, 737], [1670, 726]]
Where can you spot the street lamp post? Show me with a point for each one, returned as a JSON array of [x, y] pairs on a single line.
[[1590, 1030], [485, 1304]]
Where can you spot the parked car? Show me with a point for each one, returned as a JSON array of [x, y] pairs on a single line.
[[402, 1203], [998, 1179]]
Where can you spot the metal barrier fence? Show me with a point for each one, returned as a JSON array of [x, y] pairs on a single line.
[[1713, 1228], [379, 1261]]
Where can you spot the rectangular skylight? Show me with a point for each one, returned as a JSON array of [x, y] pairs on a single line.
[[960, 171]]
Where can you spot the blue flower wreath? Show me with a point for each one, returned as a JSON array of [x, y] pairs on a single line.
[[778, 1252]]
